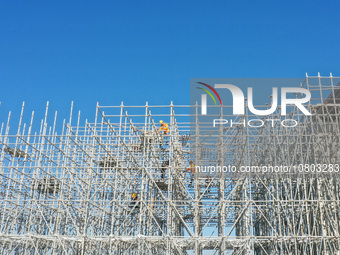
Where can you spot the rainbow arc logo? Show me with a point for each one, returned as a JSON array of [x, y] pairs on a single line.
[[209, 93]]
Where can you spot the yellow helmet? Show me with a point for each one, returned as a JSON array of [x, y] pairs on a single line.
[[161, 121], [134, 195]]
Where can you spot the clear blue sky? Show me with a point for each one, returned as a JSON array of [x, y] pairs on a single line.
[[137, 51]]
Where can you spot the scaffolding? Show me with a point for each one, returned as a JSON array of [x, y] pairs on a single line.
[[120, 185]]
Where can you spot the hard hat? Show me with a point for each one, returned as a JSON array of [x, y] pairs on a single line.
[[134, 195], [161, 121]]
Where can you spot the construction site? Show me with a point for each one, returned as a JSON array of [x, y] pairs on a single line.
[[125, 182]]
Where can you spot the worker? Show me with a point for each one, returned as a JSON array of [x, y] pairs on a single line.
[[153, 204], [164, 166], [191, 169], [164, 127], [208, 182], [134, 203]]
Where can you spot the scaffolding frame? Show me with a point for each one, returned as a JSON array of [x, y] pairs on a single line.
[[68, 190]]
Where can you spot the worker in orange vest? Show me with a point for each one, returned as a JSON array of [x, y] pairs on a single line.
[[164, 127], [191, 169]]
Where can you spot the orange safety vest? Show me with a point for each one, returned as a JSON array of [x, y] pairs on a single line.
[[165, 128], [191, 168]]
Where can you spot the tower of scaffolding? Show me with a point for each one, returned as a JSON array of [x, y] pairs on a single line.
[[122, 185]]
